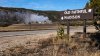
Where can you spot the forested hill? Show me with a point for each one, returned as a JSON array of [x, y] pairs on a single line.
[[53, 15], [16, 15]]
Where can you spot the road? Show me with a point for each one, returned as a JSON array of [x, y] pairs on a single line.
[[21, 33]]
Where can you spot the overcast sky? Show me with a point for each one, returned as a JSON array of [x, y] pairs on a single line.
[[45, 4]]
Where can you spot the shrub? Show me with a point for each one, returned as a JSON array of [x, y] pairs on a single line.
[[60, 32]]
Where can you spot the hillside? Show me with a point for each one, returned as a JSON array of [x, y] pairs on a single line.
[[10, 15]]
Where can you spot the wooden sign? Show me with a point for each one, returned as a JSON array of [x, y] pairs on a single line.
[[81, 14], [77, 14]]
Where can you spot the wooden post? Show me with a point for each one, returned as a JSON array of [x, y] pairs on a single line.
[[68, 28], [84, 29]]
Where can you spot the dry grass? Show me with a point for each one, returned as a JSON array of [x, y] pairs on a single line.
[[22, 27], [54, 47]]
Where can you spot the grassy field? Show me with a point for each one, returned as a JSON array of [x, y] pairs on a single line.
[[53, 46], [26, 27], [22, 27]]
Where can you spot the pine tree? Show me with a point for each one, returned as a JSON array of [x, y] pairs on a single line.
[[95, 4], [87, 5]]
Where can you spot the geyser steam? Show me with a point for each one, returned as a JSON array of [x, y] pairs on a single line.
[[34, 18], [21, 17]]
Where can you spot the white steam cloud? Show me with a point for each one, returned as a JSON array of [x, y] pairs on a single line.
[[34, 18]]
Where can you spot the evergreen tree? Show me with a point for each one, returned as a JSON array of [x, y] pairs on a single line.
[[87, 5], [95, 4]]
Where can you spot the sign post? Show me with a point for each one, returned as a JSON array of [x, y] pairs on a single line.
[[68, 28], [84, 29]]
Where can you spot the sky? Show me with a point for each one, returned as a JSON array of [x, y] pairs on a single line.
[[57, 5]]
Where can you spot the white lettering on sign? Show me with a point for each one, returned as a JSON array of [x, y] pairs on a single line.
[[66, 12], [76, 11], [62, 18], [72, 17], [77, 14], [90, 10], [73, 12]]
